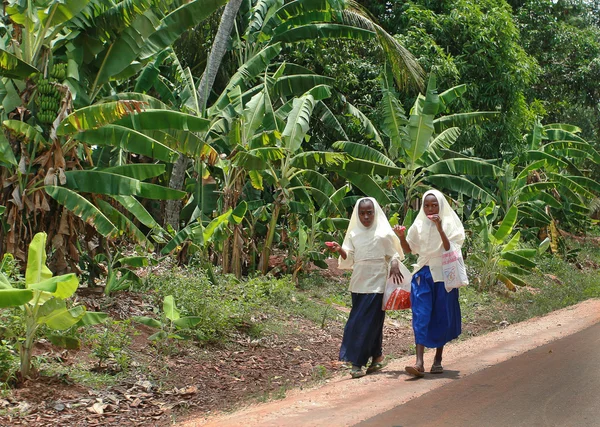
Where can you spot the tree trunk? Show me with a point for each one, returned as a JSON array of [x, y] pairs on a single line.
[[266, 252], [217, 52]]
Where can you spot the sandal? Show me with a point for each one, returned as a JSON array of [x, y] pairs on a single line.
[[357, 372], [415, 371], [374, 367], [436, 369]]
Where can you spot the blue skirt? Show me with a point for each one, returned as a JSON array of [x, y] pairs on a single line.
[[363, 334], [436, 312]]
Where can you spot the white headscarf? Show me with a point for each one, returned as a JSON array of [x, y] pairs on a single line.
[[369, 239], [424, 238]]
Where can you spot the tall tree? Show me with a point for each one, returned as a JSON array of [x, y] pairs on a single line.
[[217, 52]]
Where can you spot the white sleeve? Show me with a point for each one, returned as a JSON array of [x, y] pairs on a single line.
[[348, 263]]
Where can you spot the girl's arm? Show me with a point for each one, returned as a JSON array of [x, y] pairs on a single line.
[[400, 231]]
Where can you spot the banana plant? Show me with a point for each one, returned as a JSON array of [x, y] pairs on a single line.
[[419, 148], [497, 255], [43, 300], [170, 323]]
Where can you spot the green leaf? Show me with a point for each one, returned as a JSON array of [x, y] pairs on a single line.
[[187, 322], [370, 129], [138, 211], [298, 122], [6, 153], [91, 318], [164, 120], [363, 152], [61, 287], [461, 120], [82, 208], [506, 227], [14, 297], [323, 31], [298, 84], [62, 341], [367, 185], [13, 68], [544, 245], [25, 131], [448, 96], [63, 319], [474, 167], [513, 242], [129, 140], [312, 159], [148, 321], [177, 22], [134, 261], [192, 232], [518, 259], [420, 123], [169, 308], [98, 115], [37, 271], [4, 283], [460, 185], [140, 171], [124, 225]]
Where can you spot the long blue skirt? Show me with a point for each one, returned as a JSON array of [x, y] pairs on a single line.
[[436, 312], [363, 334]]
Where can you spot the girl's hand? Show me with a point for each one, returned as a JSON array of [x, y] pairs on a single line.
[[400, 231], [395, 274], [333, 246], [436, 219]]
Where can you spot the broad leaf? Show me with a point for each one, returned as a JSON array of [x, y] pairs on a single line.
[[82, 208], [37, 271], [506, 227], [13, 68], [14, 297], [170, 309]]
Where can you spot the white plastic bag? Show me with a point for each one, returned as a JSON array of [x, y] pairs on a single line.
[[397, 296], [453, 268]]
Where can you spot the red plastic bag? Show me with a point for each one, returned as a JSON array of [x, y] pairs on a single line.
[[397, 295], [398, 300]]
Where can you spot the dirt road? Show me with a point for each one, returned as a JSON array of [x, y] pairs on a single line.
[[345, 402]]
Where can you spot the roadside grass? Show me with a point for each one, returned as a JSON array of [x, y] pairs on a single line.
[[557, 284]]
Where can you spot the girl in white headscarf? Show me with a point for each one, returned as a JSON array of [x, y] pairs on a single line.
[[436, 312], [373, 252]]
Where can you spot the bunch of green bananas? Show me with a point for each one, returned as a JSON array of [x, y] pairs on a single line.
[[47, 100], [59, 71]]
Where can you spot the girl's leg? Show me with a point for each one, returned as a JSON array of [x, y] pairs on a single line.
[[437, 360], [420, 352]]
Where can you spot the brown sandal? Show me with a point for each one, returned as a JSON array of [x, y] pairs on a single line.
[[436, 369], [415, 371]]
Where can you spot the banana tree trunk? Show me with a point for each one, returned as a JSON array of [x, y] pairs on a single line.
[[173, 207], [266, 253], [217, 52], [236, 251]]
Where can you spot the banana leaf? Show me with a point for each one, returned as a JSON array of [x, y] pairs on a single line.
[[129, 140], [298, 123], [83, 209], [459, 185], [6, 153], [25, 131], [98, 115], [507, 224], [370, 129], [12, 67], [139, 171], [518, 259], [461, 120], [301, 83], [138, 211], [322, 31], [363, 152], [367, 185], [473, 167]]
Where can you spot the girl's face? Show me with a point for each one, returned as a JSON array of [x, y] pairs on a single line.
[[366, 213], [431, 205]]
